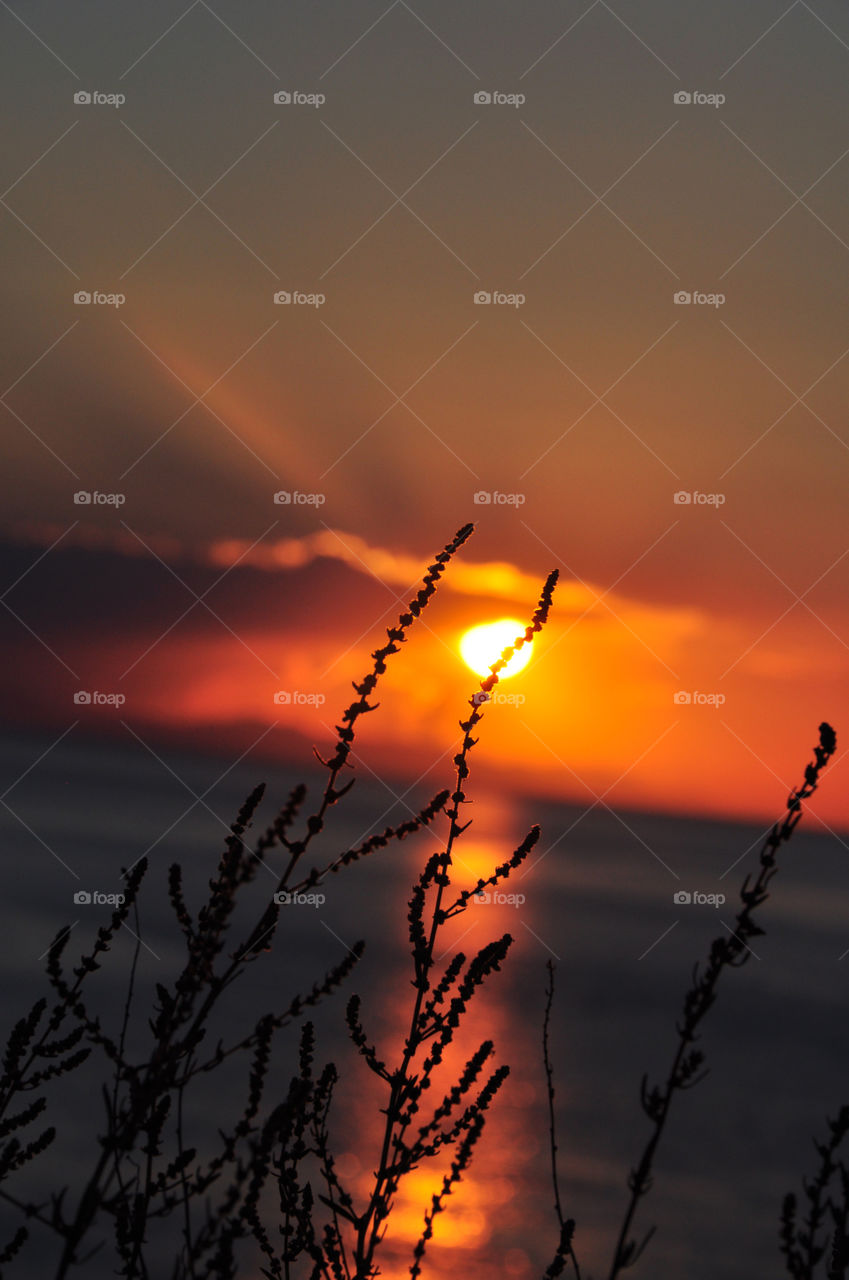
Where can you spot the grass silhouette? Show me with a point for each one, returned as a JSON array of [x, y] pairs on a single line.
[[267, 1185]]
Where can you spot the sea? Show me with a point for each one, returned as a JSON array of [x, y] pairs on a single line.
[[623, 904]]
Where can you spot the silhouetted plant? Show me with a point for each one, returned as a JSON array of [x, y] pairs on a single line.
[[255, 1183], [730, 951], [564, 1252], [346, 1243], [144, 1173], [804, 1245]]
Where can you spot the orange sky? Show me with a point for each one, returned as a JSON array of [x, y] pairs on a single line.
[[579, 405], [597, 712]]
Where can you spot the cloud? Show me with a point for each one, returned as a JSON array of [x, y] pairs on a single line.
[[490, 579], [496, 578]]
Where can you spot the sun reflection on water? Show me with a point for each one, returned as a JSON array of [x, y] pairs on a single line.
[[484, 1224]]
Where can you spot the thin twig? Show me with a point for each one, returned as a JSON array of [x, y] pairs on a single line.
[[567, 1226]]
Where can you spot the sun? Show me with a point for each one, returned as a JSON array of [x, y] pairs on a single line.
[[481, 646]]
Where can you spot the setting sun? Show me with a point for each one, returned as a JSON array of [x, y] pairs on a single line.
[[481, 646]]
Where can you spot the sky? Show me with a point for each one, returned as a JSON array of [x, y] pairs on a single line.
[[434, 282]]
